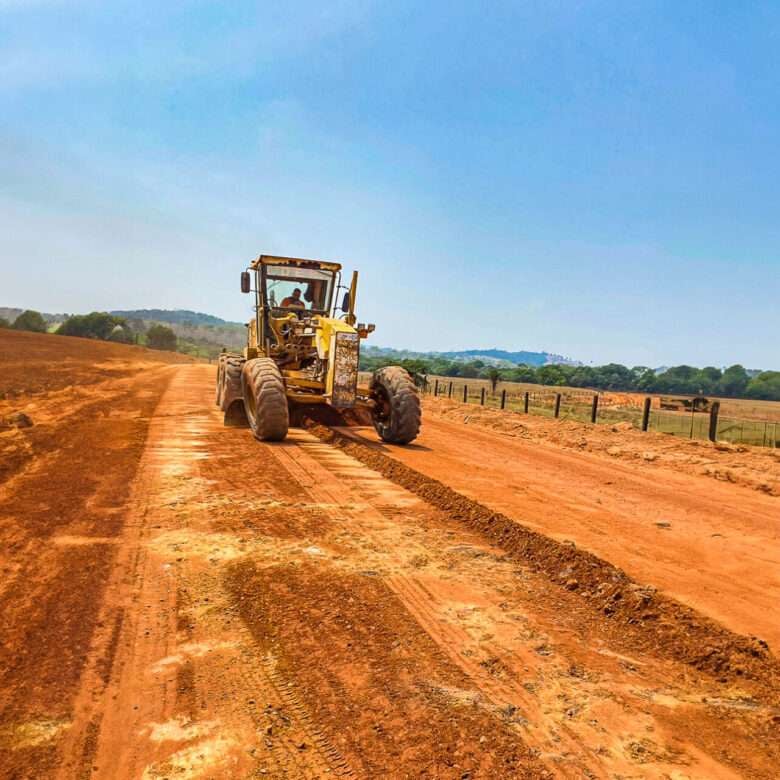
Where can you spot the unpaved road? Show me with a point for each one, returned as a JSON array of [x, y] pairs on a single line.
[[179, 600], [713, 545]]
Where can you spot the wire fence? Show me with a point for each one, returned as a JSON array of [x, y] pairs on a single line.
[[691, 423]]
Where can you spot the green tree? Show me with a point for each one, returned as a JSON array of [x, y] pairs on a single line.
[[582, 376], [4, 323], [682, 379], [524, 374], [493, 376], [96, 325], [30, 320], [709, 380], [466, 370], [765, 386], [734, 381], [160, 337], [614, 376], [551, 375], [121, 335]]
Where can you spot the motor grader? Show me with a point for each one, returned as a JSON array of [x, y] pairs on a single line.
[[302, 354]]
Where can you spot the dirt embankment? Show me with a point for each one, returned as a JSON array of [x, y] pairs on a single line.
[[754, 467]]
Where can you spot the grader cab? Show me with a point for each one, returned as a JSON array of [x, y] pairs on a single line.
[[303, 351]]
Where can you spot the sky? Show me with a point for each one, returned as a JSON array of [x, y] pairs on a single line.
[[592, 178]]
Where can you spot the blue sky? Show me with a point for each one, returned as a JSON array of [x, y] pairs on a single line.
[[598, 179]]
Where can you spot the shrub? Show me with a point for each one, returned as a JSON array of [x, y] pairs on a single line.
[[96, 325], [160, 337], [30, 320]]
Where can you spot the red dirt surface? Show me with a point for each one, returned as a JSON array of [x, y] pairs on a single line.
[[647, 503], [180, 600]]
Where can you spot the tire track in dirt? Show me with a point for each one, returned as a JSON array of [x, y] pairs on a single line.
[[176, 685], [60, 518]]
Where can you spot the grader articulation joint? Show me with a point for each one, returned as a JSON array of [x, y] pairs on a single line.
[[303, 350]]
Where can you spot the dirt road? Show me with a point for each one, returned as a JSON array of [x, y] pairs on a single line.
[[710, 544], [182, 601]]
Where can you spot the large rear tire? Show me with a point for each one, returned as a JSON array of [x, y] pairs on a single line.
[[265, 400], [396, 414], [220, 379], [230, 393]]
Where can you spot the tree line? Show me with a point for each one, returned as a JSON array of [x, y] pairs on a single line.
[[732, 382], [98, 325]]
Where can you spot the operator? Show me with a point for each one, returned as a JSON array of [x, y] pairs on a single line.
[[294, 301]]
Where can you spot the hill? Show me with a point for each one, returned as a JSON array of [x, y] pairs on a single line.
[[173, 316], [497, 357], [513, 358]]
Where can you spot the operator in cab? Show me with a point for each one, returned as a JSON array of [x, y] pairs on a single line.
[[294, 301]]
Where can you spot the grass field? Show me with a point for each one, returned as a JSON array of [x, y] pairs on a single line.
[[741, 421]]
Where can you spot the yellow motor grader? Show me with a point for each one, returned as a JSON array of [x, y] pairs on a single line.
[[302, 352]]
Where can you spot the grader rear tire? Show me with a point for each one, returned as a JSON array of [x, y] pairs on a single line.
[[396, 414], [265, 400], [220, 379], [230, 391]]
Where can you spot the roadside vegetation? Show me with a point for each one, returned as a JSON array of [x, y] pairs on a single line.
[[30, 320], [103, 326], [733, 382]]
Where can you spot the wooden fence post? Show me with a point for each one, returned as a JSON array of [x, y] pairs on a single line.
[[503, 399], [557, 405], [525, 402], [714, 412], [465, 394], [594, 408], [436, 388], [646, 414], [482, 397], [449, 391]]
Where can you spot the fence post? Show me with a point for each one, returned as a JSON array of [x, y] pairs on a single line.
[[436, 388], [646, 414], [594, 408], [503, 399], [482, 397], [714, 412], [557, 405], [525, 402], [449, 391], [465, 393]]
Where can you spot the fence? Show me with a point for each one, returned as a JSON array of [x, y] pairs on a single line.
[[596, 408]]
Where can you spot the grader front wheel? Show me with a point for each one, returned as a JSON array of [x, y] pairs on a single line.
[[265, 400], [396, 413]]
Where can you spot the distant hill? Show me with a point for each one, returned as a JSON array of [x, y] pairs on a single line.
[[207, 333], [515, 358], [497, 357], [174, 316]]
